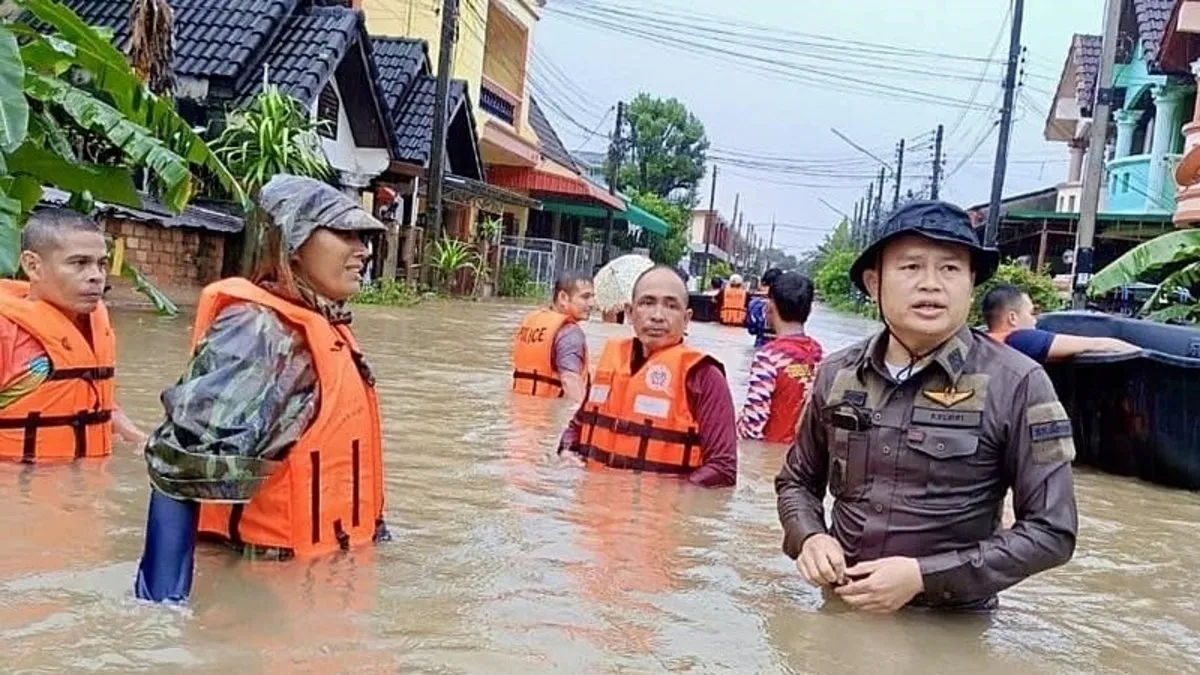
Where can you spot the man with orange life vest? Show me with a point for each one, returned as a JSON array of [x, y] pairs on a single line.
[[550, 348], [655, 403], [732, 301], [57, 348], [272, 439], [782, 371]]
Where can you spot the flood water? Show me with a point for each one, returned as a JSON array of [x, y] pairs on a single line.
[[507, 560]]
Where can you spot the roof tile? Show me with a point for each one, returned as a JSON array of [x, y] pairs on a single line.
[[1085, 54], [549, 142], [1152, 17]]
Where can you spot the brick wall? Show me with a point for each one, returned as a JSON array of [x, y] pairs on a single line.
[[172, 257]]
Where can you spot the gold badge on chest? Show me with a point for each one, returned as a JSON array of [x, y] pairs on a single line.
[[948, 397]]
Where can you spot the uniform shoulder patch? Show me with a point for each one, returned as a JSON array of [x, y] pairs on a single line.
[[1051, 436]]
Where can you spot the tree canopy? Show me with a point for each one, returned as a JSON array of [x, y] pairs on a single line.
[[668, 150]]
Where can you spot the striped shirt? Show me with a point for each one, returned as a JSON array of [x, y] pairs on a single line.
[[794, 357]]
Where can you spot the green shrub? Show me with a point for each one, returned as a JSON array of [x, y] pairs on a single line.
[[516, 281], [1040, 288], [389, 292]]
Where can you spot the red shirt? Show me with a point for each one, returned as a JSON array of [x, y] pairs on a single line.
[[780, 376]]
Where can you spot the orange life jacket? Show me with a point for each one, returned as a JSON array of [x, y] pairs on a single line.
[[733, 306], [533, 354], [641, 420], [328, 492], [68, 416]]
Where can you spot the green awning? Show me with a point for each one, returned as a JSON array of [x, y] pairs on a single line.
[[574, 209], [632, 214], [644, 219]]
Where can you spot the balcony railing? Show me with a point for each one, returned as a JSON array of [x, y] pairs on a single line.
[[497, 103]]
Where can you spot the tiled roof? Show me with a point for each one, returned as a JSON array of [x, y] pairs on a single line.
[[548, 141], [212, 39], [1085, 54], [399, 62], [414, 118], [304, 56], [1152, 17]]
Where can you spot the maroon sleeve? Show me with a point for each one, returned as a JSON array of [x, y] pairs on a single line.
[[711, 404], [570, 434]]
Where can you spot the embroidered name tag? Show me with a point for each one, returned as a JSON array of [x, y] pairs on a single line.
[[855, 397], [652, 406], [947, 418], [1048, 431]]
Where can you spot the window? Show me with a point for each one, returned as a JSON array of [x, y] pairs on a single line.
[[1071, 204], [1125, 183], [327, 112]]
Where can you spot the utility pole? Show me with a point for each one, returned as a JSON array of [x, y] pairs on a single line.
[[899, 175], [866, 231], [878, 205], [441, 97], [614, 172], [771, 242], [857, 221], [1095, 157], [737, 197], [711, 218], [739, 239], [937, 163], [1006, 115]]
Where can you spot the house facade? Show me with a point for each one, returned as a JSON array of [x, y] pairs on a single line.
[[1180, 56]]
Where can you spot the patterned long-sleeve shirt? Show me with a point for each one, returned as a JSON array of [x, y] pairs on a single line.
[[793, 358], [244, 399]]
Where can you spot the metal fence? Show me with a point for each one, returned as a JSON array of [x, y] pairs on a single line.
[[545, 258]]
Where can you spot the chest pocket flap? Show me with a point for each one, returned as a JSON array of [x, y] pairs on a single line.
[[939, 444]]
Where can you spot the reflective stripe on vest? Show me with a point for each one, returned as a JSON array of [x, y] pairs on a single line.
[[68, 416], [733, 306], [533, 354], [328, 492], [641, 421]]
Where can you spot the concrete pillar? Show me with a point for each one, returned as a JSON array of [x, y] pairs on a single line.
[[1196, 74], [1166, 105], [1075, 169], [1126, 122]]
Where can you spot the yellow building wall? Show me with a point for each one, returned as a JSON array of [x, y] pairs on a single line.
[[422, 19]]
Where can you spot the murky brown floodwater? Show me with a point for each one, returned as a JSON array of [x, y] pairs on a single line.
[[509, 561]]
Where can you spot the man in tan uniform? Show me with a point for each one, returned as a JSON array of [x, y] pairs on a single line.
[[919, 432]]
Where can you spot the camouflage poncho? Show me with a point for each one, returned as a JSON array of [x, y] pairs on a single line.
[[245, 398]]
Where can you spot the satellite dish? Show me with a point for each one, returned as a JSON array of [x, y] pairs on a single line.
[[1068, 256]]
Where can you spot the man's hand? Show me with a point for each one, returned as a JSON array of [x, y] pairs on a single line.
[[127, 431], [883, 585], [822, 561]]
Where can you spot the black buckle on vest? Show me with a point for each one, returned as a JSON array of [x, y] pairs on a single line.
[[86, 374]]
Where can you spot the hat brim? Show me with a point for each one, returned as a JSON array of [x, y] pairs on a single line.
[[984, 260]]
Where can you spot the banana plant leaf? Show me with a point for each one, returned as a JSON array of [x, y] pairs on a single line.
[[1185, 277], [1169, 250], [14, 109], [162, 304], [138, 145], [1174, 313], [94, 52], [106, 183], [10, 235]]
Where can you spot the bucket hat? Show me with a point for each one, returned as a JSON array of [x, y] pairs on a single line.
[[937, 220]]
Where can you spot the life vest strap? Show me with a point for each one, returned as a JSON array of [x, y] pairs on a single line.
[[34, 420], [94, 374], [537, 378], [632, 463], [645, 430]]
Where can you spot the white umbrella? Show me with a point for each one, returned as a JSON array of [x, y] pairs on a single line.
[[614, 281]]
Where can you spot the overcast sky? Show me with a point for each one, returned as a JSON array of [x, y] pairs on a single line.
[[749, 110]]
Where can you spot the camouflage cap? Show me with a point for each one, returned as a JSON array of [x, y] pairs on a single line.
[[299, 205]]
